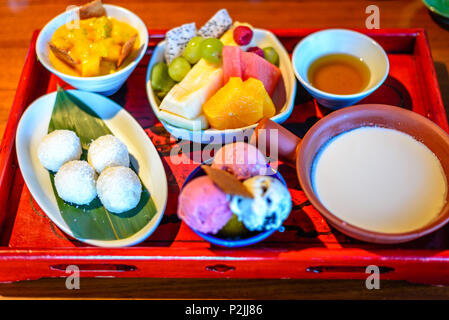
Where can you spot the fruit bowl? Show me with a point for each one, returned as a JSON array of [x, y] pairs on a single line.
[[263, 38], [251, 237]]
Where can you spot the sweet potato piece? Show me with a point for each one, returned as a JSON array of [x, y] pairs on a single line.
[[126, 49], [92, 9], [63, 55]]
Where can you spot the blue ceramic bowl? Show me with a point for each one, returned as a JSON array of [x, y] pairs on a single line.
[[251, 238]]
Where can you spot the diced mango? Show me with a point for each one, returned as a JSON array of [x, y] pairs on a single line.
[[91, 39], [90, 67], [102, 27], [238, 104], [121, 32], [62, 43]]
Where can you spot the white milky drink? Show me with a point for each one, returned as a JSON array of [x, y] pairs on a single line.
[[380, 179]]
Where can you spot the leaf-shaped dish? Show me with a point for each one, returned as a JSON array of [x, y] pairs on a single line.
[[95, 116]]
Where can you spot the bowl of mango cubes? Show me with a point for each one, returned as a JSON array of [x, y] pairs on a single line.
[[93, 47]]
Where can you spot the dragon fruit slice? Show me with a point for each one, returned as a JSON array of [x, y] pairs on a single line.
[[217, 25], [176, 40]]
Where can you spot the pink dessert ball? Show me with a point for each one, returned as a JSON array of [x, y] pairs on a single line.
[[240, 159], [203, 206]]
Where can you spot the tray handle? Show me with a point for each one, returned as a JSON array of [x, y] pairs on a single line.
[[220, 268], [346, 269], [96, 267]]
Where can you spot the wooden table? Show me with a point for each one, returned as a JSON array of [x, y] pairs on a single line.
[[18, 18]]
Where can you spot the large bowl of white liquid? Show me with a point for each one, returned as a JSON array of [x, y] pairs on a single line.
[[377, 173]]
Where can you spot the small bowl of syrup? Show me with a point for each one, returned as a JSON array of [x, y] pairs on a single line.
[[339, 67]]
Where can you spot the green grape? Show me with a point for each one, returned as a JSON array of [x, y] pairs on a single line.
[[233, 228], [192, 52], [179, 68], [160, 80], [271, 55], [211, 49], [161, 94]]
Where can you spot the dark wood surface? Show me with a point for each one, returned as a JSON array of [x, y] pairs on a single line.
[[18, 18], [218, 289]]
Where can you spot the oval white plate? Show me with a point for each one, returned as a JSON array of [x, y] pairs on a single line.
[[33, 126], [263, 38]]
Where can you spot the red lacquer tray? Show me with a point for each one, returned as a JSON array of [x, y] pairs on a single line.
[[31, 246]]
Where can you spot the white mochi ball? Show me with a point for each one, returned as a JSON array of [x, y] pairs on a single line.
[[119, 189], [107, 151], [57, 148], [76, 182]]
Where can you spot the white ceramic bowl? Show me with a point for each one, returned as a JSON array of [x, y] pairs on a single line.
[[332, 41], [107, 84], [262, 38]]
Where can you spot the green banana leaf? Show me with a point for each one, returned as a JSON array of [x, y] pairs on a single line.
[[93, 221]]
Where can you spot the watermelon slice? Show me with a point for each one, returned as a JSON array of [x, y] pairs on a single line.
[[254, 66], [232, 66]]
